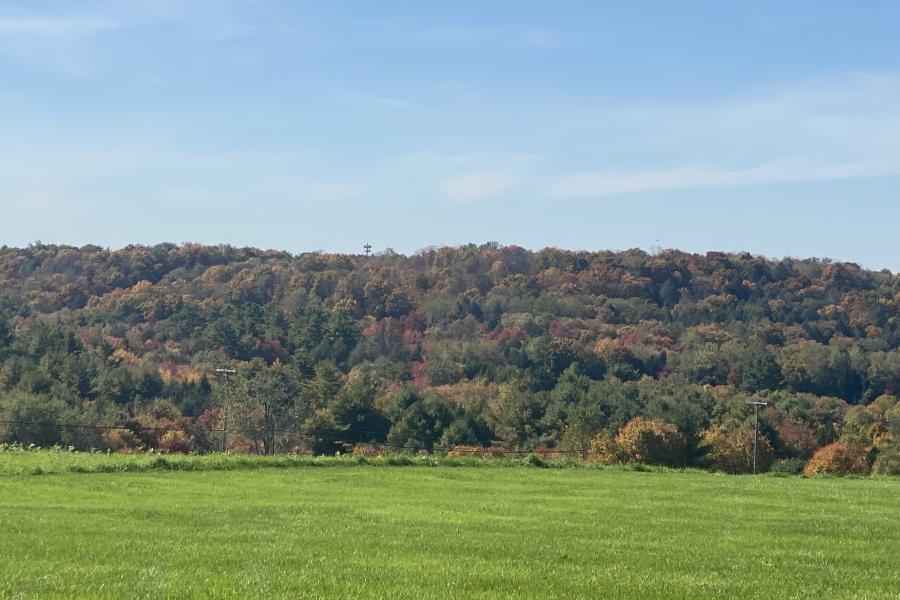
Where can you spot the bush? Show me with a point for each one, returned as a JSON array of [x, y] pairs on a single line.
[[366, 450], [604, 449], [494, 451], [732, 451], [121, 440], [535, 461], [888, 461], [31, 419], [463, 450], [652, 442], [175, 440], [839, 458], [788, 466]]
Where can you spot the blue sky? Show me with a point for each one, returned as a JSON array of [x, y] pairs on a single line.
[[767, 127]]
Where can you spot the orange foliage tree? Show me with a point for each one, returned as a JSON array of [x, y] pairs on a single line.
[[840, 458]]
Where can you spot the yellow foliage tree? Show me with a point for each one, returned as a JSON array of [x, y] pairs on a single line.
[[604, 449], [732, 451], [652, 442]]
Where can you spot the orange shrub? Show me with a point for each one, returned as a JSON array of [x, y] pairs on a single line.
[[175, 440], [839, 458], [366, 450], [121, 440], [604, 448], [464, 450]]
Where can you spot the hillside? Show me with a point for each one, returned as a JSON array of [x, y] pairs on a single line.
[[469, 345]]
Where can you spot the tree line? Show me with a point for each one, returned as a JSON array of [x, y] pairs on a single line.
[[618, 356]]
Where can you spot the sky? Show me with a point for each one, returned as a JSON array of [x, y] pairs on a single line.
[[768, 127]]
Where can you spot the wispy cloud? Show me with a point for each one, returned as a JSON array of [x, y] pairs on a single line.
[[474, 176], [592, 184], [70, 178], [375, 101], [76, 25], [479, 185], [523, 37], [805, 132]]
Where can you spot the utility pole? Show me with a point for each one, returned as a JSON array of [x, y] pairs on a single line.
[[225, 373], [274, 431], [756, 406], [368, 249]]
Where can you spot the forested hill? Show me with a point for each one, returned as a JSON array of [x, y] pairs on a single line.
[[467, 344]]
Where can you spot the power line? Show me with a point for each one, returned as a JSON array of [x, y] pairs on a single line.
[[101, 427]]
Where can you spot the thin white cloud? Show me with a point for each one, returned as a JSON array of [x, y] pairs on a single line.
[[479, 185], [814, 131], [70, 179], [372, 100], [594, 184], [517, 36], [76, 25], [465, 177]]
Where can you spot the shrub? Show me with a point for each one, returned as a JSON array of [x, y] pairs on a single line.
[[175, 440], [121, 440], [31, 419], [542, 451], [888, 461], [788, 466], [839, 458], [732, 451], [535, 461], [604, 448], [652, 442], [464, 450], [494, 451], [366, 450]]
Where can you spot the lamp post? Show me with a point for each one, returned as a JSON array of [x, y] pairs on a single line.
[[756, 406], [225, 373]]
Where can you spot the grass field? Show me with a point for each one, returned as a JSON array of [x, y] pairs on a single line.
[[441, 531]]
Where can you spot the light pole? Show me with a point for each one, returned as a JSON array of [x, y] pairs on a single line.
[[225, 373], [756, 406]]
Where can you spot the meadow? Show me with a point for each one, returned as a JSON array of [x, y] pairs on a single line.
[[96, 525]]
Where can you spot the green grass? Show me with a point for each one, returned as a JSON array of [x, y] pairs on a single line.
[[438, 532]]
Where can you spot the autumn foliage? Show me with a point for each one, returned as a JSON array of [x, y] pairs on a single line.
[[732, 451], [504, 348], [462, 450], [605, 449], [840, 458], [646, 441]]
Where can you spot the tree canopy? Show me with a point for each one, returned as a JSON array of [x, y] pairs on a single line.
[[461, 345]]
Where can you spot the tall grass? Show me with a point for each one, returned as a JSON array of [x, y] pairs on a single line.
[[17, 460]]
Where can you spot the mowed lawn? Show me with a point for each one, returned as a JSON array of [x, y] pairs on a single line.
[[442, 532]]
